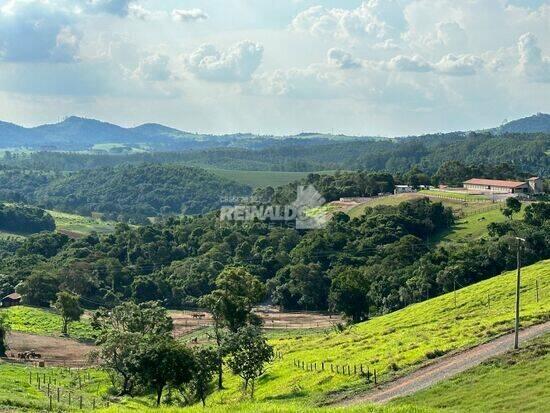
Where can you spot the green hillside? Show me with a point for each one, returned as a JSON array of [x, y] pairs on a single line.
[[392, 344], [517, 381], [401, 341]]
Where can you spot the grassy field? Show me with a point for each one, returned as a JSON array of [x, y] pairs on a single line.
[[45, 322], [80, 225], [518, 381], [453, 195], [392, 344], [459, 206], [259, 179], [19, 390], [398, 342], [474, 226]]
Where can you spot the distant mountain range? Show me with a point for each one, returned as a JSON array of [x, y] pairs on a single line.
[[81, 134]]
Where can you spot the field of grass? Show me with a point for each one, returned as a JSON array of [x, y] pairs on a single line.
[[45, 322], [80, 225], [392, 344], [19, 390], [515, 382], [398, 342], [453, 195], [459, 206], [475, 225], [260, 179]]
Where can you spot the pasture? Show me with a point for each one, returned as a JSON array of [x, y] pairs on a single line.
[[262, 179], [77, 226]]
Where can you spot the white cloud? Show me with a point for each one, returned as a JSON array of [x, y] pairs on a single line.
[[236, 64], [463, 65], [373, 19], [190, 15], [409, 64], [532, 64], [154, 68], [342, 59], [37, 31]]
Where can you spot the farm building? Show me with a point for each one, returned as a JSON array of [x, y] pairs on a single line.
[[11, 300], [532, 185]]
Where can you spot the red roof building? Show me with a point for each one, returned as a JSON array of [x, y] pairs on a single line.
[[497, 186]]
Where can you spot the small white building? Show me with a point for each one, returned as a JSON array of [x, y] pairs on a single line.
[[402, 189]]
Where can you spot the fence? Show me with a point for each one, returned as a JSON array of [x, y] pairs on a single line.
[[63, 389], [343, 369]]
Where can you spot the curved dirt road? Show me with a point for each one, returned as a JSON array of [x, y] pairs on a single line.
[[445, 368]]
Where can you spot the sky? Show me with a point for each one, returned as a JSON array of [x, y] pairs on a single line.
[[372, 67]]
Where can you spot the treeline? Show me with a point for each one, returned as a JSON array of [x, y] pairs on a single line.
[[25, 219], [527, 152], [379, 262], [126, 193]]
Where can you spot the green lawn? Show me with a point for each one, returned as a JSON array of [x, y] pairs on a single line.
[[45, 322], [80, 225], [518, 381]]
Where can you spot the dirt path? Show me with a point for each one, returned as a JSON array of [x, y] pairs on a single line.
[[445, 368], [55, 351]]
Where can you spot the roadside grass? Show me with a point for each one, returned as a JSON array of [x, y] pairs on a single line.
[[517, 381], [261, 179], [45, 322], [19, 388], [80, 225], [398, 342]]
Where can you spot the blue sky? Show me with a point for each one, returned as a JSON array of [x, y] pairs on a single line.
[[372, 67]]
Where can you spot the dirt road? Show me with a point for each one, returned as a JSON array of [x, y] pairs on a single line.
[[55, 351], [445, 368]]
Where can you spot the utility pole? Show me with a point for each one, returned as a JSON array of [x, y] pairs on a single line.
[[518, 285]]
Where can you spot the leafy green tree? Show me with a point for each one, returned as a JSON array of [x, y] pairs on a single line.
[[160, 362], [237, 291], [513, 206], [148, 318], [349, 294], [203, 371], [248, 356], [39, 289], [68, 306], [116, 355]]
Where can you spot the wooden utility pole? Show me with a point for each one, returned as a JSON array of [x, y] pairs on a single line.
[[518, 285]]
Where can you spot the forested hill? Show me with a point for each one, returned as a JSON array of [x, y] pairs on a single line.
[[536, 123], [132, 193], [528, 152]]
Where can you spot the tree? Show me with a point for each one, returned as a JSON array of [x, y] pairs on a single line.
[[144, 318], [162, 362], [4, 328], [513, 206], [68, 306], [249, 353], [116, 355], [203, 371], [236, 293], [349, 294], [39, 289]]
